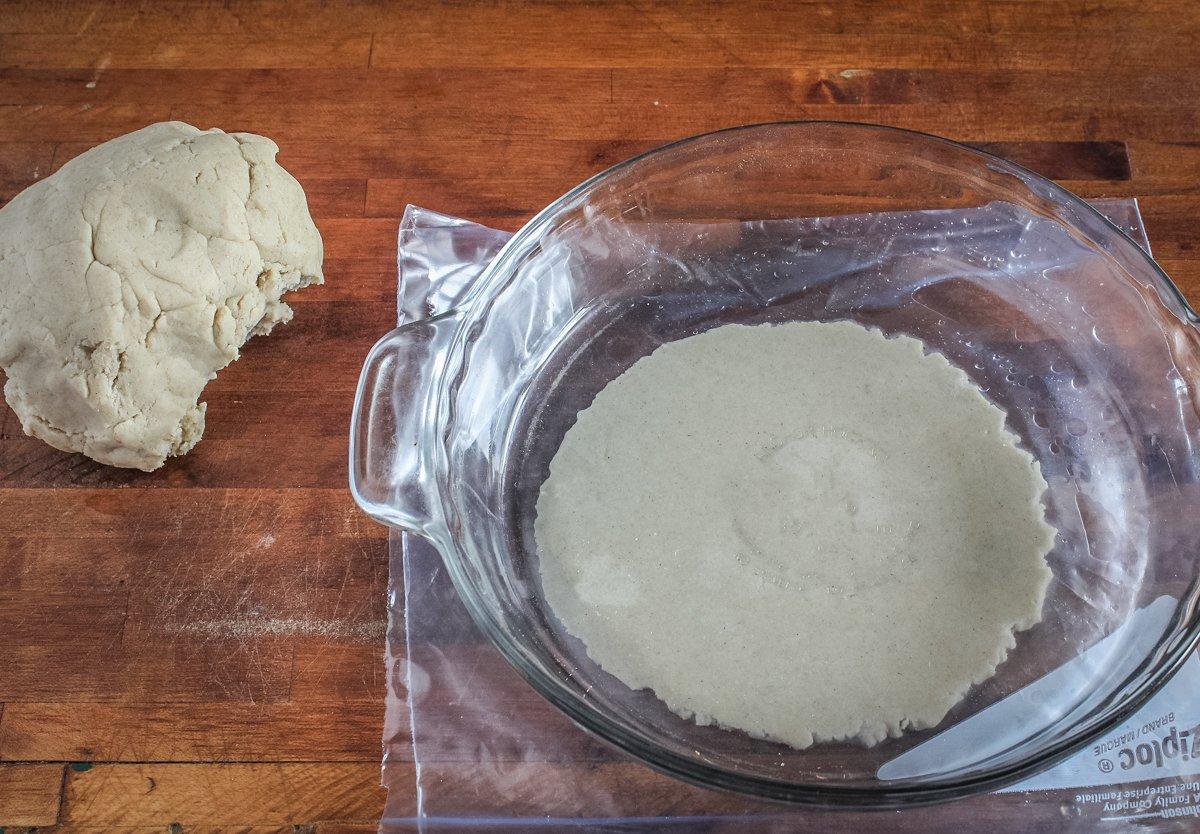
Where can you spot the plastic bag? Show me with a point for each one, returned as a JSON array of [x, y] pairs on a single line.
[[490, 753]]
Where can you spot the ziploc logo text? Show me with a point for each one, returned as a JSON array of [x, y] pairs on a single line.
[[1148, 745]]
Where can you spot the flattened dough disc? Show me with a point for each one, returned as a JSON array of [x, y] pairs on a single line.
[[805, 531]]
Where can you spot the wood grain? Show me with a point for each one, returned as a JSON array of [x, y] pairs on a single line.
[[134, 797], [209, 637], [839, 83], [29, 794], [134, 47], [240, 731], [22, 163]]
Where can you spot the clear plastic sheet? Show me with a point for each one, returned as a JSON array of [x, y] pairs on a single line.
[[490, 753]]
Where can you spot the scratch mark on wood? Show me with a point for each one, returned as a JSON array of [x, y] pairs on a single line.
[[251, 627]]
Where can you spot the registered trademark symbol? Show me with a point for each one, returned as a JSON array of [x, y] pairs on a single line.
[[1105, 766]]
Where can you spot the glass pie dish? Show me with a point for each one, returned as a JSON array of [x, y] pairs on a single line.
[[1061, 319]]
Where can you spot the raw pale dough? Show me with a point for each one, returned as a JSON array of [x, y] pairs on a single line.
[[135, 273], [805, 531]]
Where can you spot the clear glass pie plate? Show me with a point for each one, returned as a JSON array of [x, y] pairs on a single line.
[[1061, 319]]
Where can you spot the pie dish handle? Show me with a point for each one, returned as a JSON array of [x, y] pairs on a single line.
[[391, 427]]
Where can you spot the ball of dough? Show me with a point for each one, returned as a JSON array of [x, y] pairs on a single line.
[[135, 273]]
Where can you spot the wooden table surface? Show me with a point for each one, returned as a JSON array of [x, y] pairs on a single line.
[[200, 649]]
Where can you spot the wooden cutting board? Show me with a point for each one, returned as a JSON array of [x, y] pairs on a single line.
[[200, 648]]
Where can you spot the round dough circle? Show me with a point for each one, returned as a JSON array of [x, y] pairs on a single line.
[[805, 531]]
